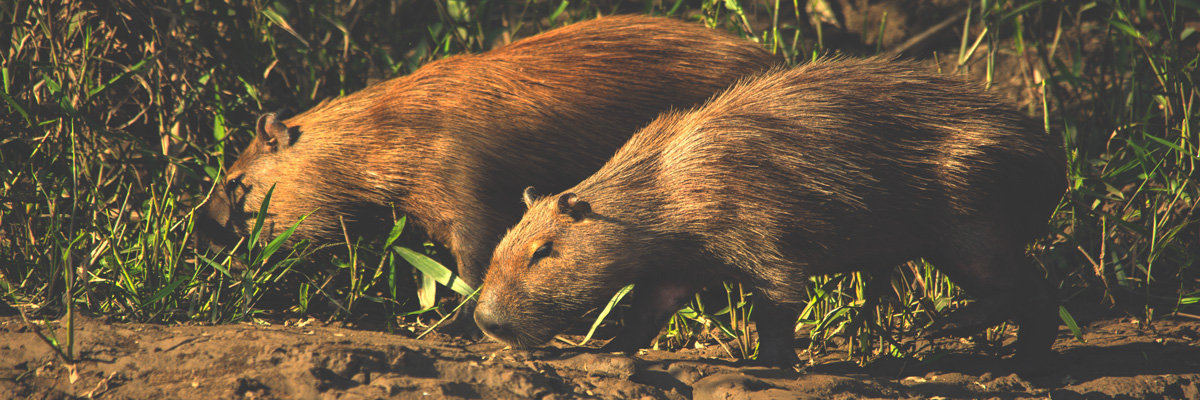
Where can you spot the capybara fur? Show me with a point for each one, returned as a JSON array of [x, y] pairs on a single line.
[[450, 144], [839, 165]]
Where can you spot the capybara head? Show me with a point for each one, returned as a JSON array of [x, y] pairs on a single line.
[[302, 182], [552, 267], [235, 199]]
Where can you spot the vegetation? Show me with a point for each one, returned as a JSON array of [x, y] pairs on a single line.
[[117, 117]]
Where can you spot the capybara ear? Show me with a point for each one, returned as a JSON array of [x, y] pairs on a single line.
[[272, 132], [528, 196], [570, 204]]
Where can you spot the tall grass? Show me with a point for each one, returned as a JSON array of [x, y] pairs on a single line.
[[117, 118]]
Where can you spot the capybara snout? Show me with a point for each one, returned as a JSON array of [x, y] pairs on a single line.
[[838, 165]]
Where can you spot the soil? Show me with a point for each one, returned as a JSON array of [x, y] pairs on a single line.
[[307, 359]]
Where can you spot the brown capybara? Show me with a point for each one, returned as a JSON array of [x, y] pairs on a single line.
[[836, 166], [451, 143]]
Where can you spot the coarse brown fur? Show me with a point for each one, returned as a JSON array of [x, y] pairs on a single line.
[[452, 144], [839, 165]]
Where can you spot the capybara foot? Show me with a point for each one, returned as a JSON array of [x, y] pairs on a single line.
[[782, 358]]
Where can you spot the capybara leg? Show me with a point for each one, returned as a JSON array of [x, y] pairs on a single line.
[[463, 323], [472, 266], [1006, 285], [776, 333], [1039, 324], [653, 303]]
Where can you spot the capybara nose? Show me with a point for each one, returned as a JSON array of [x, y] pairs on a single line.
[[493, 325]]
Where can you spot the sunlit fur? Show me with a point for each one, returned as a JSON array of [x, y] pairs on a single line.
[[453, 144], [834, 166]]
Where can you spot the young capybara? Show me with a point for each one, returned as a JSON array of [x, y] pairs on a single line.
[[839, 165], [449, 144]]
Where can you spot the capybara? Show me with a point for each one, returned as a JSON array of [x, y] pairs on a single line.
[[839, 165], [451, 143]]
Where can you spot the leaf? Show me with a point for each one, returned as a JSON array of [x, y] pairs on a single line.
[[279, 21], [1126, 28], [165, 290], [831, 316], [1173, 146], [439, 272], [262, 214], [1022, 9], [604, 313], [417, 312], [219, 126], [215, 265], [280, 240], [123, 75], [561, 7], [427, 291], [11, 101], [1067, 319], [395, 233], [251, 90]]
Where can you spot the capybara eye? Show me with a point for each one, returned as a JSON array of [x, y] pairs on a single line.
[[234, 182], [542, 251], [234, 186]]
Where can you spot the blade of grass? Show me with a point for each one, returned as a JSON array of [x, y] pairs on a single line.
[[439, 272], [604, 313]]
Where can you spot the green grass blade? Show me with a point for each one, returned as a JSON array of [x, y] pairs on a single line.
[[282, 23], [166, 290], [280, 240], [258, 219], [1173, 146], [604, 313], [558, 11], [469, 296], [395, 233], [1125, 28], [120, 77], [439, 272], [1071, 324], [215, 265]]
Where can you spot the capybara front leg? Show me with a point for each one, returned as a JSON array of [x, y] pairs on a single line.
[[653, 303]]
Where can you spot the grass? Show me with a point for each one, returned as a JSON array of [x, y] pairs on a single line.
[[117, 118]]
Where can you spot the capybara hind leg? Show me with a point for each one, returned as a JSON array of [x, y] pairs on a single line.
[[653, 303], [1005, 285], [776, 327]]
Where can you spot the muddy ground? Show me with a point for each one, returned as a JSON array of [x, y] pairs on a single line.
[[306, 359]]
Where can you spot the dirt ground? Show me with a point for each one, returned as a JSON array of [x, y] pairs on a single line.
[[304, 359]]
